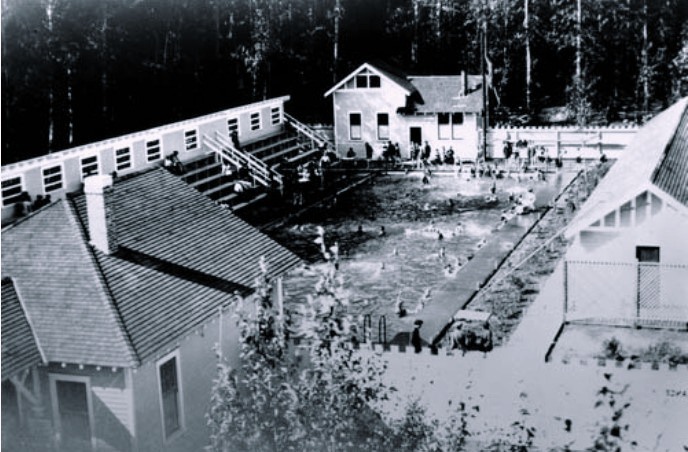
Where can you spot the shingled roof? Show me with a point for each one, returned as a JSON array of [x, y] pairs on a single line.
[[19, 348], [180, 257], [656, 156], [671, 175], [441, 94]]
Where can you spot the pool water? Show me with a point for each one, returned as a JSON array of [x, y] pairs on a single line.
[[409, 258]]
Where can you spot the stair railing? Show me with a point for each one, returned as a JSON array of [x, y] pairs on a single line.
[[315, 136], [228, 154], [254, 164]]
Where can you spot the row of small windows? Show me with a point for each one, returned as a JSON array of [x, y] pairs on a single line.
[[363, 80], [52, 177]]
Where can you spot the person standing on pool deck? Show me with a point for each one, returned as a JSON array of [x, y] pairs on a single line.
[[415, 337]]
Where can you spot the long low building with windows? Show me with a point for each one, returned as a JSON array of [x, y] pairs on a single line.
[[266, 134]]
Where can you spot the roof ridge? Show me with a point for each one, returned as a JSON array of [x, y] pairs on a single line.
[[17, 292], [109, 301]]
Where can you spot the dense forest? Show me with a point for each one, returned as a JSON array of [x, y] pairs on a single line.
[[76, 71]]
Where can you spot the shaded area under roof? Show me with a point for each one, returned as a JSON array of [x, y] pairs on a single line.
[[19, 348], [671, 175]]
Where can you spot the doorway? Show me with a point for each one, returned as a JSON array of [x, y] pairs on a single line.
[[415, 137], [649, 297], [72, 412]]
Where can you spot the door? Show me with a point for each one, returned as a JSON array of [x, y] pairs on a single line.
[[415, 137], [73, 415], [649, 287]]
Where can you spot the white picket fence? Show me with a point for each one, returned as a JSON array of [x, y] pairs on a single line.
[[567, 142]]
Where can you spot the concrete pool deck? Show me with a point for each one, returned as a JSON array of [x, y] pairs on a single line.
[[458, 292]]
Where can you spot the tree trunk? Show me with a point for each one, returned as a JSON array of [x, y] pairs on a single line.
[[528, 60], [49, 10], [335, 61], [416, 24], [70, 107], [104, 79], [645, 70], [578, 40]]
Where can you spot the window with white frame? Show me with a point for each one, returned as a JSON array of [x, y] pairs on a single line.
[[12, 189], [52, 178], [383, 126], [255, 121], [123, 158], [153, 150], [365, 79], [449, 125], [191, 139], [276, 115], [232, 126], [89, 166], [170, 394], [354, 126]]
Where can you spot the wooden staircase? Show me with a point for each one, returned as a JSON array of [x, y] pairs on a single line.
[[264, 158]]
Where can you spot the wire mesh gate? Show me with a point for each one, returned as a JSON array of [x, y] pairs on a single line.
[[625, 290]]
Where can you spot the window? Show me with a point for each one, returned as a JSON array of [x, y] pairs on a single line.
[[457, 122], [153, 151], [276, 116], [170, 394], [383, 126], [11, 190], [72, 411], [123, 158], [449, 125], [89, 166], [52, 178], [365, 79], [232, 126], [191, 139], [444, 130], [647, 253], [354, 126], [255, 121]]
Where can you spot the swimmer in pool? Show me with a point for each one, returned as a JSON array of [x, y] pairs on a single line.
[[382, 232]]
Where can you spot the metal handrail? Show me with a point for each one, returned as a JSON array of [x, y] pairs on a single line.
[[251, 160], [306, 130]]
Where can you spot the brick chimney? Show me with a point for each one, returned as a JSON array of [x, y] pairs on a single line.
[[101, 215]]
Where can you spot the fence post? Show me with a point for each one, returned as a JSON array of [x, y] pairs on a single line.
[[566, 289], [382, 330], [637, 292], [558, 144]]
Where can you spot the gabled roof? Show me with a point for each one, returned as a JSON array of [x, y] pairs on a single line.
[[19, 348], [382, 70], [441, 94], [646, 162], [427, 94], [671, 175], [180, 257]]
